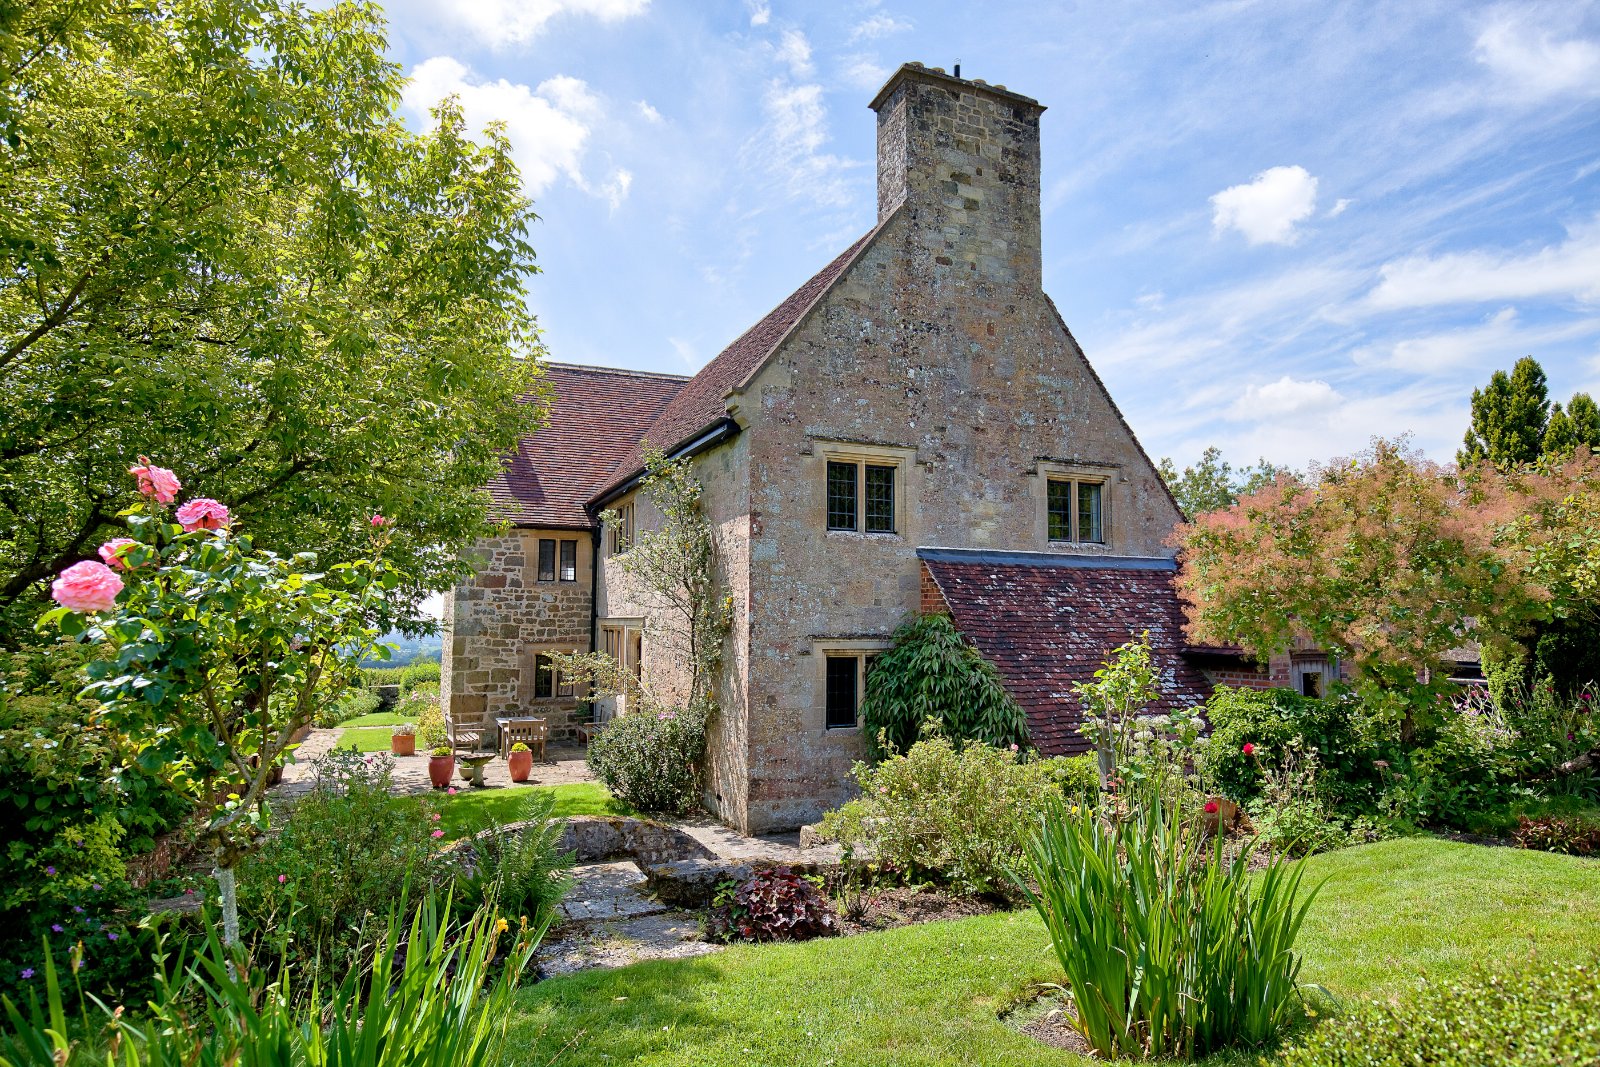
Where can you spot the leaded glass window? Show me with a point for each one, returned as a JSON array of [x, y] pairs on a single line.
[[841, 496]]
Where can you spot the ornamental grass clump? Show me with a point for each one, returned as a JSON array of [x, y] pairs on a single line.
[[1169, 947]]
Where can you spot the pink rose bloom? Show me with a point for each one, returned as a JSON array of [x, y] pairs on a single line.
[[379, 520], [203, 513], [282, 878], [111, 552], [157, 482], [87, 586], [438, 833]]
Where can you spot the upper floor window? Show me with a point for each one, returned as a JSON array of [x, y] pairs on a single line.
[[548, 548], [1075, 511], [622, 529], [861, 496]]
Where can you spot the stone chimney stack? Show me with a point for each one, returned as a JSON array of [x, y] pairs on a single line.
[[963, 157]]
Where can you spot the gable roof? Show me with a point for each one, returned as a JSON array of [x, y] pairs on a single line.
[[1047, 620], [701, 402], [597, 414]]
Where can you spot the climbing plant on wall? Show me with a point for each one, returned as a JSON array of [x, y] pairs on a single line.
[[932, 673]]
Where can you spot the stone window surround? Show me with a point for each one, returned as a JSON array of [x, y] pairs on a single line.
[[630, 636], [900, 458], [558, 556], [1109, 476], [618, 537], [529, 669], [824, 648]]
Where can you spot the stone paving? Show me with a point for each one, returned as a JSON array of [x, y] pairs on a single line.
[[564, 765], [609, 918]]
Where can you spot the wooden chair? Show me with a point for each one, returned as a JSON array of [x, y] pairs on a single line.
[[464, 736], [531, 732]]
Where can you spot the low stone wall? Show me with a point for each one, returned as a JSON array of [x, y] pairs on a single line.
[[692, 883]]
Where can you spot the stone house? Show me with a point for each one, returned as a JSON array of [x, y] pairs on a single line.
[[913, 428]]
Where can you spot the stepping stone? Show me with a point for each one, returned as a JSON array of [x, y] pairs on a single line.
[[608, 891]]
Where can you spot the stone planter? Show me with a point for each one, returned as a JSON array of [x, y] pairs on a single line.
[[403, 744], [520, 764], [440, 768]]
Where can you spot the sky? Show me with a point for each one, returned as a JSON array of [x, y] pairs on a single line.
[[1276, 227]]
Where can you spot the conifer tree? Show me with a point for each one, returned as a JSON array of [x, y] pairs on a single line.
[[1578, 425], [1509, 417]]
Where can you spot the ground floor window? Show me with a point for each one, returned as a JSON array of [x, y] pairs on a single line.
[[844, 684]]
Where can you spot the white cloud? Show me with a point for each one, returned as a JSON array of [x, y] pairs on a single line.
[[685, 352], [648, 113], [760, 12], [863, 71], [549, 126], [1267, 209], [1570, 269], [1529, 62], [1338, 208], [1285, 398], [790, 144], [795, 50], [503, 22], [1493, 342], [877, 26]]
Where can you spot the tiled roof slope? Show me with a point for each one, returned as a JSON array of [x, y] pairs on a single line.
[[699, 404], [597, 414], [1047, 620]]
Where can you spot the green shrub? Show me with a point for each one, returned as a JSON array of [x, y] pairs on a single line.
[[651, 761], [1535, 1017], [520, 871], [1278, 721], [441, 1003], [419, 673], [430, 724], [1169, 948], [932, 673], [354, 703], [955, 814], [344, 853]]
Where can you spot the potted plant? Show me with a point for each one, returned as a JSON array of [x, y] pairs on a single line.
[[403, 740], [520, 762], [441, 765]]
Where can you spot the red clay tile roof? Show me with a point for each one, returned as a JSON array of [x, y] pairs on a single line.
[[597, 414], [699, 404], [1048, 620]]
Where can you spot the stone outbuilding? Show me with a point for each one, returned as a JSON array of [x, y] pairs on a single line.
[[913, 427]]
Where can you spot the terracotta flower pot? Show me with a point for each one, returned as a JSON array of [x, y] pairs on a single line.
[[440, 768], [520, 764], [403, 744]]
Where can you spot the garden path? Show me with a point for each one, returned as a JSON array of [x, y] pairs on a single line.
[[609, 919], [563, 765]]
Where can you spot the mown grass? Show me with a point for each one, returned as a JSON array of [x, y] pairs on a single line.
[[470, 810], [376, 718], [374, 740], [1387, 915]]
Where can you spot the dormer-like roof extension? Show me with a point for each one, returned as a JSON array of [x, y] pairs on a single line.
[[597, 415]]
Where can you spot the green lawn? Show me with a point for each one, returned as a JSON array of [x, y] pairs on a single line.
[[366, 740], [377, 718], [471, 810], [1389, 913]]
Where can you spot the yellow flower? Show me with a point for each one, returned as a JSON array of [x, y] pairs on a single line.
[[501, 926]]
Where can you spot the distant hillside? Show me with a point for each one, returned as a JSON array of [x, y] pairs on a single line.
[[409, 650]]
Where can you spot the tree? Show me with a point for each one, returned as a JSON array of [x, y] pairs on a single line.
[[931, 673], [1509, 417], [1389, 561], [214, 653], [1213, 483], [220, 243], [1578, 425]]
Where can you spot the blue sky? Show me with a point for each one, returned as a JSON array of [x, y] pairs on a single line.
[[1277, 227]]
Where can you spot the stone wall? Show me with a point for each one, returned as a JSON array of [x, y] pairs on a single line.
[[936, 351], [499, 620]]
